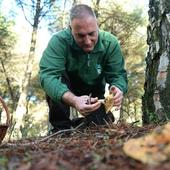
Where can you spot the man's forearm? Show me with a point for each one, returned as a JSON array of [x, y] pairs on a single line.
[[69, 98]]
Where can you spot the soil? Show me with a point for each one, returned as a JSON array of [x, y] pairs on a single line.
[[95, 148]]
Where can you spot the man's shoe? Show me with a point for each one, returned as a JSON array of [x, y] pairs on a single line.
[[94, 118], [109, 117]]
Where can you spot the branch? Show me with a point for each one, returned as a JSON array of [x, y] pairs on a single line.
[[46, 12], [22, 8], [44, 139], [8, 84]]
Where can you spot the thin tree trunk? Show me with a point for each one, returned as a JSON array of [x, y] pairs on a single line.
[[96, 10], [23, 102], [9, 85], [64, 15]]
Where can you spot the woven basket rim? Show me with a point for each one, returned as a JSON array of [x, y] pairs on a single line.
[[7, 113], [3, 125]]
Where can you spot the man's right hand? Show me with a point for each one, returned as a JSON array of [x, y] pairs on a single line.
[[80, 103], [84, 107]]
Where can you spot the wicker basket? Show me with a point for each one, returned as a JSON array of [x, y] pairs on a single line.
[[4, 127]]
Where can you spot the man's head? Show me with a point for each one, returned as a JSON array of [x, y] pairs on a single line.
[[84, 27]]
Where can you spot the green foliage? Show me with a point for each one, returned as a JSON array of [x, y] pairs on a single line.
[[61, 22], [35, 90], [7, 37], [3, 162], [7, 42], [119, 22], [153, 117], [31, 128]]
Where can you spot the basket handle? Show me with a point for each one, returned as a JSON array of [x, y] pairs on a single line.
[[6, 110]]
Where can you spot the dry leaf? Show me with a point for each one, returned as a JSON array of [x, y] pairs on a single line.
[[153, 148]]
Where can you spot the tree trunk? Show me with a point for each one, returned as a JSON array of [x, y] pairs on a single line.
[[156, 99], [74, 2], [22, 107]]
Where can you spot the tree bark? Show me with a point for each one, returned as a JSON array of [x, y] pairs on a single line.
[[156, 99]]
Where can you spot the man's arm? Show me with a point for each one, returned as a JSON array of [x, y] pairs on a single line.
[[69, 98], [115, 72]]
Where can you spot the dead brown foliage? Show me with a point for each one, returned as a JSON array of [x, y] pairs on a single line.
[[98, 147]]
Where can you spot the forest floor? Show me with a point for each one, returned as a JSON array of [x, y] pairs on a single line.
[[97, 148]]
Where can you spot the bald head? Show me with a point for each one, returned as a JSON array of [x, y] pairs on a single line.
[[81, 11], [84, 27]]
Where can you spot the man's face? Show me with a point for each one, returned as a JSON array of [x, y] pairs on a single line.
[[85, 32]]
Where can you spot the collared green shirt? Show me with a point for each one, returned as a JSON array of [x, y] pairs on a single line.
[[86, 71]]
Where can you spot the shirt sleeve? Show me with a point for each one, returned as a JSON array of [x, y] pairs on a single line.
[[115, 72], [52, 66]]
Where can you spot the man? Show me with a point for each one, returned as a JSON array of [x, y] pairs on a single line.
[[78, 62]]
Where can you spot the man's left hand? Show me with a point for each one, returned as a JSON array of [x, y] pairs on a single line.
[[118, 96]]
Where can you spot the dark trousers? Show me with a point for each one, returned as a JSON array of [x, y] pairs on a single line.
[[59, 112]]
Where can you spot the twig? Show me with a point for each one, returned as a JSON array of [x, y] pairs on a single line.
[[94, 145], [101, 100], [11, 129], [59, 132], [46, 138]]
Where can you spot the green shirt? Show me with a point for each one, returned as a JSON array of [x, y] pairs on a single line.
[[105, 64]]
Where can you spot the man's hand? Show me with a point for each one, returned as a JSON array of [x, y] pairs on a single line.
[[81, 103], [118, 96], [84, 107]]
